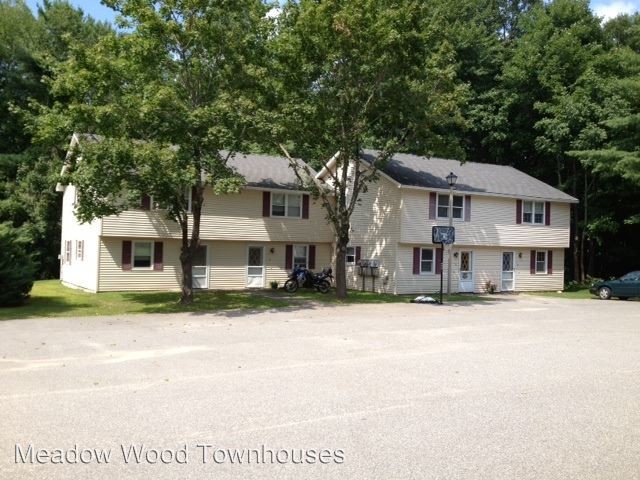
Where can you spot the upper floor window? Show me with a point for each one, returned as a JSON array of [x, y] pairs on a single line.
[[286, 205], [443, 206], [533, 212]]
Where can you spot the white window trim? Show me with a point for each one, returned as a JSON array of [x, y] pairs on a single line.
[[286, 205], [533, 213], [293, 255], [346, 256], [133, 254], [433, 261], [546, 263], [447, 205]]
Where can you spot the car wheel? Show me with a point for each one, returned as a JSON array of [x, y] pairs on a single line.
[[604, 293], [291, 286]]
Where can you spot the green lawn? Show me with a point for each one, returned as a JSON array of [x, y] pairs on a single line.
[[580, 294], [50, 299], [356, 296]]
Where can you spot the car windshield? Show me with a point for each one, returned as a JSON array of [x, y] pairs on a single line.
[[630, 276]]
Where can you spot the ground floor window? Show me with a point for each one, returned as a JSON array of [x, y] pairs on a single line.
[[351, 255], [300, 256], [80, 249], [426, 260], [142, 254], [541, 262], [67, 251]]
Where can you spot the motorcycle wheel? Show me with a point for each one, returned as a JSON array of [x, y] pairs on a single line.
[[323, 286], [291, 286]]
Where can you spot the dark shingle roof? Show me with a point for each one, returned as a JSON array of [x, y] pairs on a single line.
[[431, 172], [261, 171], [265, 171]]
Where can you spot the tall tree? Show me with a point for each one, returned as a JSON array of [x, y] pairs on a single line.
[[168, 97], [356, 74]]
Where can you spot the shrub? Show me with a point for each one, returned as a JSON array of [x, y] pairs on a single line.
[[489, 286], [17, 270], [274, 285]]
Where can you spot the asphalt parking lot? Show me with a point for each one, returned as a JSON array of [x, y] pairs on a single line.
[[518, 387]]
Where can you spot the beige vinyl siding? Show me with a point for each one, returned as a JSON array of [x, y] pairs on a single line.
[[229, 263], [493, 223], [113, 278], [226, 217], [375, 226], [79, 273], [526, 282], [426, 283]]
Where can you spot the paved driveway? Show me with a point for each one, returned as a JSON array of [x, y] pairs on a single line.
[[514, 388]]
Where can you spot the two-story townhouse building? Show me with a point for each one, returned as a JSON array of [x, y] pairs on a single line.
[[511, 229], [248, 239]]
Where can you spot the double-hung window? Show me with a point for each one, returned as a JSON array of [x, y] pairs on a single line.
[[300, 256], [443, 206], [80, 249], [351, 256], [541, 261], [286, 205], [533, 212], [142, 254], [67, 251], [426, 260]]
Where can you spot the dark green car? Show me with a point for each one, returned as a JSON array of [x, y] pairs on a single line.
[[624, 287]]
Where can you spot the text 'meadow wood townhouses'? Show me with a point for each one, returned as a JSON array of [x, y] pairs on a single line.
[[511, 229]]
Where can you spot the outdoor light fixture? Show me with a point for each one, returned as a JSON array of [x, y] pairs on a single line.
[[455, 254], [452, 178], [272, 250], [519, 254]]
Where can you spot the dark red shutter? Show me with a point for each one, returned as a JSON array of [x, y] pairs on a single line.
[[547, 213], [432, 205], [126, 255], [158, 256], [358, 255], [467, 208], [532, 263], [550, 262], [416, 260], [145, 202], [266, 204], [288, 257], [438, 261], [305, 206], [312, 257], [518, 211]]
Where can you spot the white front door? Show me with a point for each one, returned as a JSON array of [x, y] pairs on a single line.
[[466, 271], [255, 267], [200, 269], [508, 272]]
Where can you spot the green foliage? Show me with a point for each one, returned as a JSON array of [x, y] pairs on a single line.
[[17, 270]]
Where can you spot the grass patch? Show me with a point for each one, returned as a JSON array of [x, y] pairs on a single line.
[[580, 294], [356, 296], [49, 298]]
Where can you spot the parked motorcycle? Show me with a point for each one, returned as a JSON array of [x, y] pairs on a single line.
[[302, 277]]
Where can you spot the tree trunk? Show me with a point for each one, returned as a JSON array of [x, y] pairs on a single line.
[[341, 267], [186, 262], [189, 246]]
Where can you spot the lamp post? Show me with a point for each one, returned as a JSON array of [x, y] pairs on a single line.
[[452, 178]]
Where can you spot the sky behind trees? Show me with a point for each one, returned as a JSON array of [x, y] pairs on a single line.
[[603, 8]]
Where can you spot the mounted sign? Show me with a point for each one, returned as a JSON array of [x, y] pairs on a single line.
[[444, 235]]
